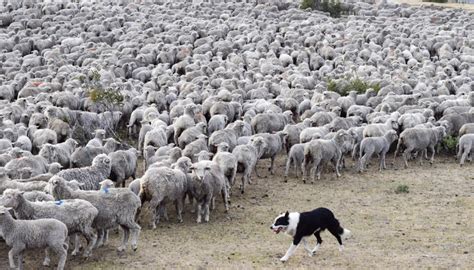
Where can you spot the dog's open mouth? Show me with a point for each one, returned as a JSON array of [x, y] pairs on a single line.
[[277, 229]]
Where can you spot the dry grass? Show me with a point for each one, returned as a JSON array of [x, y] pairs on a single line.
[[429, 227]]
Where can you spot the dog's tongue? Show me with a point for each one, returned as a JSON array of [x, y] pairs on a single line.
[[277, 230]]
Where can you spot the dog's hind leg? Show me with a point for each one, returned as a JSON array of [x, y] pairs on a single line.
[[320, 241]]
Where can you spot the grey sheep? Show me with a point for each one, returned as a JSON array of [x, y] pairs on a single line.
[[123, 165], [420, 139], [320, 151], [77, 215], [295, 157], [377, 130], [83, 156], [466, 129], [191, 134], [311, 133], [89, 176], [247, 156], [465, 148], [117, 207], [37, 164], [59, 153], [376, 145], [160, 186], [41, 233], [271, 122], [184, 121], [37, 196], [42, 136], [98, 140], [227, 163], [207, 183], [228, 135], [274, 144], [217, 122]]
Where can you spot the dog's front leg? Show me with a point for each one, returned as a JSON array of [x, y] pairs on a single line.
[[306, 247], [289, 252]]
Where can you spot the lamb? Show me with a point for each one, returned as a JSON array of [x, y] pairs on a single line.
[[89, 176], [41, 233], [98, 139], [160, 186], [247, 156], [274, 144], [207, 182], [465, 148], [59, 153], [377, 130], [320, 151], [376, 145], [420, 139], [38, 196], [271, 122], [217, 122], [227, 162], [295, 156], [124, 165], [77, 215], [116, 208]]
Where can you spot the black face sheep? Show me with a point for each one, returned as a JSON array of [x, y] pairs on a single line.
[[77, 215], [117, 207], [320, 151], [89, 176], [376, 145], [41, 233], [465, 148]]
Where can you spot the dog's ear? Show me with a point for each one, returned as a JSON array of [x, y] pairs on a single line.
[[287, 214]]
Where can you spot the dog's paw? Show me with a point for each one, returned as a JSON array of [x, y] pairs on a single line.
[[283, 259], [311, 253], [341, 248]]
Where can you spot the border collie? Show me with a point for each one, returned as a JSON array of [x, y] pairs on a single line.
[[302, 225]]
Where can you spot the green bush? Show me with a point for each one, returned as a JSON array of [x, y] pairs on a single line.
[[355, 84], [333, 7], [435, 1], [449, 143], [401, 189]]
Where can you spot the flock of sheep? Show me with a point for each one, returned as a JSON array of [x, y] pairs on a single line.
[[209, 90]]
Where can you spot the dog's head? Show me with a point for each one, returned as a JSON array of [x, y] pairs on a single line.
[[281, 223]]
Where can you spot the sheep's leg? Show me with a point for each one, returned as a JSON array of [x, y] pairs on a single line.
[[106, 236], [296, 168], [154, 203], [15, 251], [464, 156], [337, 164], [206, 211], [304, 168], [432, 149], [199, 212], [179, 209], [46, 260], [61, 251], [77, 245], [224, 198], [135, 232], [91, 238], [406, 154], [287, 168], [213, 203], [423, 153], [271, 169], [126, 234], [100, 238], [256, 171], [20, 261]]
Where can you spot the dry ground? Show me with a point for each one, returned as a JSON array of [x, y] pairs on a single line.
[[430, 227]]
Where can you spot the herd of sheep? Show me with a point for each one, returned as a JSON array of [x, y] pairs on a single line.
[[209, 89]]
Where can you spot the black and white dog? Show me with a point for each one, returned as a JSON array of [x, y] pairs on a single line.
[[302, 225]]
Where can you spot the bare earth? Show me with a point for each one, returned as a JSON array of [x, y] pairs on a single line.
[[430, 227]]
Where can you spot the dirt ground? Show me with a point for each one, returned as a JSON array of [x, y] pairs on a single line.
[[432, 226]]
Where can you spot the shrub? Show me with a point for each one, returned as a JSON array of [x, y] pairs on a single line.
[[333, 7], [401, 189], [355, 84], [449, 143]]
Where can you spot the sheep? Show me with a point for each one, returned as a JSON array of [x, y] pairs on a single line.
[[271, 122], [42, 136], [311, 133], [228, 135], [274, 144], [115, 208], [6, 183], [190, 134], [38, 196], [195, 147], [185, 121], [134, 186], [37, 164], [123, 165], [376, 145], [466, 129], [295, 156], [217, 122], [41, 233], [247, 156], [320, 151], [410, 120], [160, 186], [207, 182], [59, 153], [89, 176], [465, 148], [377, 130], [83, 156], [98, 139], [420, 139], [77, 215], [344, 123], [227, 163]]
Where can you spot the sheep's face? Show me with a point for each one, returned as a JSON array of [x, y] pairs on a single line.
[[199, 171], [10, 198], [101, 161], [224, 147], [4, 211]]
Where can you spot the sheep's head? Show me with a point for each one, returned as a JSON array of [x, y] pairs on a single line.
[[72, 142], [54, 168], [184, 163], [391, 136], [204, 155], [11, 198], [260, 144], [4, 211], [344, 139], [48, 152], [101, 161], [223, 147], [99, 134], [106, 184], [199, 170]]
